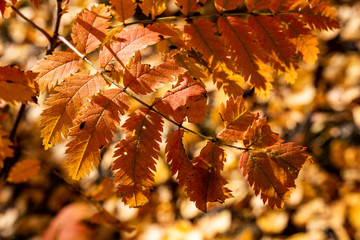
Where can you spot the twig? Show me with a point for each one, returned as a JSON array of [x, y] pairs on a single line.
[[17, 121], [49, 38]]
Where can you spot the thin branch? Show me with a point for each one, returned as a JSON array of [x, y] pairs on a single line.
[[17, 121], [49, 38], [54, 42]]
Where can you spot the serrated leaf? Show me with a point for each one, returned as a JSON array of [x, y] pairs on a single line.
[[93, 129], [206, 183], [136, 155], [189, 6], [189, 64], [55, 68], [259, 135], [272, 172], [6, 150], [252, 5], [236, 119], [247, 56], [142, 79], [71, 95], [124, 9], [128, 42], [16, 86], [229, 81], [318, 15], [177, 158], [201, 35], [24, 170], [187, 99], [90, 28], [152, 8]]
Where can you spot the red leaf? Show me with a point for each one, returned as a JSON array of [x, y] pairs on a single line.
[[227, 5], [272, 172], [93, 128], [136, 157], [187, 99], [177, 157], [236, 119], [206, 183], [143, 80], [259, 135], [90, 28], [128, 42]]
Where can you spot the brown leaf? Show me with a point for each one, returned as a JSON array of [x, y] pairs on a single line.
[[24, 170]]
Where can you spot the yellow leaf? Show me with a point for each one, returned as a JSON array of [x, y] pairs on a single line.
[[24, 170], [104, 190]]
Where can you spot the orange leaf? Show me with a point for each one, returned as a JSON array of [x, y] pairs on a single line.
[[318, 15], [104, 190], [247, 56], [227, 5], [201, 35], [189, 6], [5, 147], [236, 119], [206, 183], [124, 9], [55, 68], [272, 172], [90, 28], [16, 86], [152, 8], [135, 157], [252, 5], [143, 80], [259, 135], [189, 64], [24, 170], [177, 157], [228, 81], [72, 94], [128, 42], [93, 129], [187, 99]]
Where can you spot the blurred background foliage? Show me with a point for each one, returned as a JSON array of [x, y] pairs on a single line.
[[320, 111]]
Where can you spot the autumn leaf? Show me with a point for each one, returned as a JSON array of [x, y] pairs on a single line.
[[6, 150], [65, 105], [272, 171], [318, 15], [227, 5], [93, 129], [206, 184], [103, 191], [2, 7], [248, 57], [23, 170], [189, 64], [128, 42], [190, 6], [177, 158], [201, 35], [236, 119], [90, 28], [142, 79], [281, 52], [135, 157], [55, 68], [252, 5], [187, 99], [152, 8], [124, 9], [229, 81], [259, 135], [16, 86]]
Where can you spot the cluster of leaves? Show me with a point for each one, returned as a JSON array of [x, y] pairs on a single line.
[[267, 38]]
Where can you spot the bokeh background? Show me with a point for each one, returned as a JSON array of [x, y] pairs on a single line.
[[321, 111]]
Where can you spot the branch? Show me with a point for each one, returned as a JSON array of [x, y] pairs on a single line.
[[111, 81], [49, 38]]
